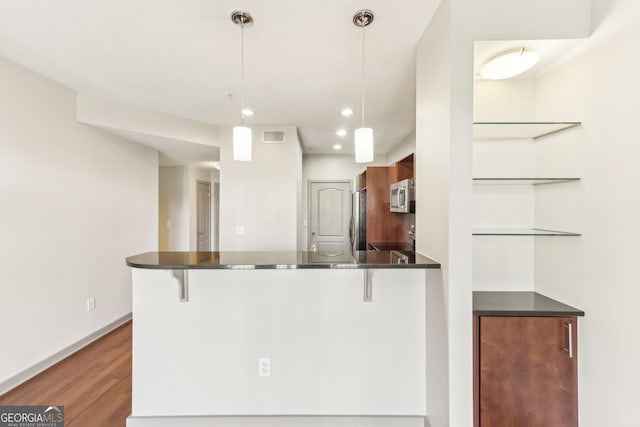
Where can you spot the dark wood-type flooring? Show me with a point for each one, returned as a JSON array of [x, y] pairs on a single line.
[[93, 384]]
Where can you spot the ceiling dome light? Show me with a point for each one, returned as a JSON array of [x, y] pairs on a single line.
[[347, 112], [341, 132], [337, 147], [247, 112], [509, 64]]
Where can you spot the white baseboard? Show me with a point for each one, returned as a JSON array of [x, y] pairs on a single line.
[[278, 421], [34, 370]]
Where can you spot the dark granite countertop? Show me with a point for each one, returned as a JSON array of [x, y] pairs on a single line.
[[519, 304], [277, 260]]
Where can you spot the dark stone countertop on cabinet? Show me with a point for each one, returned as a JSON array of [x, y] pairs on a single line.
[[277, 260], [488, 303]]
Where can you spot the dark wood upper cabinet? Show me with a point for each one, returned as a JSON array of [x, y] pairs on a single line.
[[525, 371], [402, 169], [361, 181]]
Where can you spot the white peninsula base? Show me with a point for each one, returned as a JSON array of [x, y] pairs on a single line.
[[335, 360]]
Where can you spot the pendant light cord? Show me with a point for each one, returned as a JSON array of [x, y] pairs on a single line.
[[242, 72], [362, 82]]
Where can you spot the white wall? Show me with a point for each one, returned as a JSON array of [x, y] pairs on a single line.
[[503, 263], [443, 154], [173, 221], [508, 100], [179, 204], [336, 166], [401, 150], [597, 272], [75, 202], [260, 195]]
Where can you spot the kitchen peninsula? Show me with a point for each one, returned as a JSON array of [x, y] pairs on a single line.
[[279, 338]]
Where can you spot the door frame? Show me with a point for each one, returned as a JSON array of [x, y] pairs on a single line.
[[322, 181], [215, 225]]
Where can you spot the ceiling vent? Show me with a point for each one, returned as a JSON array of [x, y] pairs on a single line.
[[273, 137]]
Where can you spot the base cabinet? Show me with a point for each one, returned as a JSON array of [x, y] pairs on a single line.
[[525, 371]]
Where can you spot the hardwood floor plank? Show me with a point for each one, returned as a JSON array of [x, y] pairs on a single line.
[[93, 384], [103, 411]]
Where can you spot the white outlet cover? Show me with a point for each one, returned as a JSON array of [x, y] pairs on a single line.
[[264, 367], [239, 230]]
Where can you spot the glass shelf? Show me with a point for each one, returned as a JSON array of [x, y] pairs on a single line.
[[521, 181], [518, 130], [521, 232]]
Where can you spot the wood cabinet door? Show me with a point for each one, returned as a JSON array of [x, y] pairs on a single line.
[[527, 377]]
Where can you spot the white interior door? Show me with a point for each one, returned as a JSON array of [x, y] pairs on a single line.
[[329, 212], [204, 216]]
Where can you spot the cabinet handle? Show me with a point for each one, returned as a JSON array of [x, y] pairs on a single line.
[[569, 347]]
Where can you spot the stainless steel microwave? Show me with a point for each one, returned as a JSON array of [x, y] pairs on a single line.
[[402, 197]]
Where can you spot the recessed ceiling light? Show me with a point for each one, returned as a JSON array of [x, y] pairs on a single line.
[[247, 112], [509, 64], [341, 132], [337, 147], [346, 112]]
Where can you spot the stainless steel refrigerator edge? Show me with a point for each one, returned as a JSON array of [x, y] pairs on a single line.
[[358, 223]]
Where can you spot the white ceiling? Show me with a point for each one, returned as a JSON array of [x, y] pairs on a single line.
[[182, 57], [174, 151]]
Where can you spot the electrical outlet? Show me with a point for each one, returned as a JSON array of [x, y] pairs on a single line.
[[91, 304], [239, 230], [264, 367]]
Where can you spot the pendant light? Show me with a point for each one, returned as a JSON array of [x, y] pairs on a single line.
[[363, 136], [242, 134]]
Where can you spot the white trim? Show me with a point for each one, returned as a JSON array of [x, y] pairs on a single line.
[[279, 421], [27, 374]]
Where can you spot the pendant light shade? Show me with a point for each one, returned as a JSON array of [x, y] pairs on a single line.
[[241, 134], [364, 145], [363, 136], [242, 143]]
